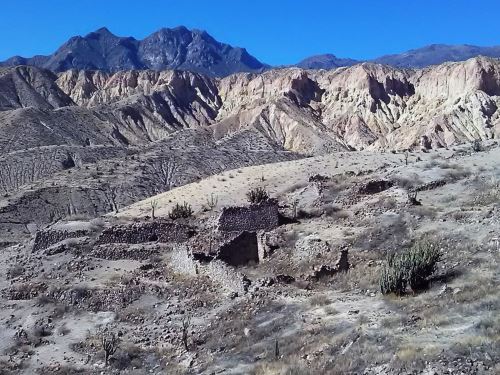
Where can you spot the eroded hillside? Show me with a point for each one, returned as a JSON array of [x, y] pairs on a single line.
[[365, 106]]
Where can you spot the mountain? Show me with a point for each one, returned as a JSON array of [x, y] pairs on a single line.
[[195, 50], [327, 61], [434, 54], [177, 48], [437, 54]]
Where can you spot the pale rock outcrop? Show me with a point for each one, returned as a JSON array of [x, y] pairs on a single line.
[[365, 106]]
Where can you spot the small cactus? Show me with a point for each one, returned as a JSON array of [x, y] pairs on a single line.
[[410, 268], [393, 280]]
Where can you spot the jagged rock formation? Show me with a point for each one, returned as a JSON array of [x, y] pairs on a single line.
[[178, 48], [363, 106], [370, 105]]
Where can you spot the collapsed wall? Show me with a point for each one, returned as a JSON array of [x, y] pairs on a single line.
[[183, 262]]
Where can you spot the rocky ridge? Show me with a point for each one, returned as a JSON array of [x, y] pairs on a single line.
[[312, 112], [177, 48]]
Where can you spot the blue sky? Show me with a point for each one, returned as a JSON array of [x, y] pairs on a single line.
[[275, 31]]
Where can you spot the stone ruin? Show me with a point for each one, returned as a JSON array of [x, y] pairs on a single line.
[[218, 256], [263, 216], [233, 248], [240, 250], [46, 238], [154, 231], [184, 262], [374, 187]]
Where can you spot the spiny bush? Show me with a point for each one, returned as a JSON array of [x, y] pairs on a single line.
[[393, 278], [180, 211], [257, 195], [420, 263], [410, 268]]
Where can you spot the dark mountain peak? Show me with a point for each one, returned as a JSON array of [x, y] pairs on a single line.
[[325, 61], [167, 48], [103, 31], [174, 30], [196, 50], [180, 28]]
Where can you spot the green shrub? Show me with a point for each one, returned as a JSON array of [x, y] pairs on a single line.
[[180, 211], [420, 262], [411, 268], [393, 280], [257, 195]]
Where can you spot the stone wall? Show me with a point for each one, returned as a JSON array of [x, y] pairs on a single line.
[[125, 251], [46, 238], [182, 262], [226, 276], [263, 216], [374, 186], [161, 231]]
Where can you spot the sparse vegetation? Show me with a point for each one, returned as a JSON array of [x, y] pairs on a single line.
[[186, 323], [412, 267], [412, 198], [154, 205], [477, 145], [180, 211], [211, 203], [257, 195], [109, 344], [393, 278]]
